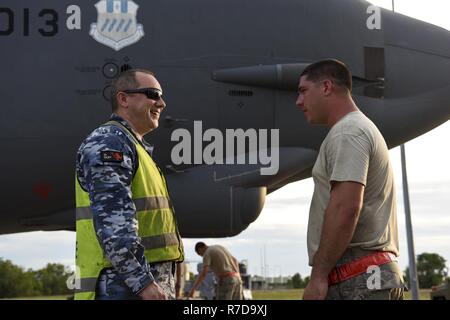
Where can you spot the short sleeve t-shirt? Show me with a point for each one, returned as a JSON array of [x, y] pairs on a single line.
[[219, 260], [354, 150]]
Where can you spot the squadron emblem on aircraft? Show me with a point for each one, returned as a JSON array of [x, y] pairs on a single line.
[[116, 25]]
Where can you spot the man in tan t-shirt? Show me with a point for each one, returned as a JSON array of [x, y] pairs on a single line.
[[352, 228], [225, 268]]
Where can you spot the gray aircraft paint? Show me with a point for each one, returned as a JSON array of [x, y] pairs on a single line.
[[230, 64]]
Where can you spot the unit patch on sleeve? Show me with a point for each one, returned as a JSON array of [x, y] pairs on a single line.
[[111, 156]]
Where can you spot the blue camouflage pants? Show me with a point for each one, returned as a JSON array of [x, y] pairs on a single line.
[[111, 288]]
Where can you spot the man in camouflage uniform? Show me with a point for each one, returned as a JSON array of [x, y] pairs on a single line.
[[226, 270], [352, 227], [106, 164]]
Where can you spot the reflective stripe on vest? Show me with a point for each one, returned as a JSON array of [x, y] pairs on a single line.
[[143, 204], [87, 285], [156, 223], [164, 240]]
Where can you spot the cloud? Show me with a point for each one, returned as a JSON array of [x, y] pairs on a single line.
[[36, 249]]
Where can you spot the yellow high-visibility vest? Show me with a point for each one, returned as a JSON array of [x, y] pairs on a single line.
[[157, 226]]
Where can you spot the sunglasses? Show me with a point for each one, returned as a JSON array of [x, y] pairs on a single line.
[[151, 93]]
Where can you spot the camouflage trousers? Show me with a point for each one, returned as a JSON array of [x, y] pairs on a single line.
[[342, 292], [386, 284], [229, 288], [164, 274], [110, 288]]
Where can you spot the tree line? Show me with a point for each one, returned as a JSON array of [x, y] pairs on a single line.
[[431, 270], [15, 281]]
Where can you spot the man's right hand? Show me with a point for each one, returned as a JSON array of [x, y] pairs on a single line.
[[316, 289], [153, 292]]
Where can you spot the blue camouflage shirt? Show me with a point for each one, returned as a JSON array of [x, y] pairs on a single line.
[[114, 213]]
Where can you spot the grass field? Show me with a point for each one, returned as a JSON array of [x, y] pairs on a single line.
[[290, 294], [296, 294], [40, 298], [424, 294]]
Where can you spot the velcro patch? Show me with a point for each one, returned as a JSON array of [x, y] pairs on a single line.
[[112, 156]]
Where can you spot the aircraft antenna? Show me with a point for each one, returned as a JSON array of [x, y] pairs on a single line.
[[414, 284], [409, 232]]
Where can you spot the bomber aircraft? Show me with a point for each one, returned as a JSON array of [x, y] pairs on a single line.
[[227, 67]]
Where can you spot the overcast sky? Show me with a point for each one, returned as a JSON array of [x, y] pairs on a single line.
[[280, 231]]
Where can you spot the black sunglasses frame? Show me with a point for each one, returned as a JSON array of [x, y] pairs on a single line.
[[151, 93]]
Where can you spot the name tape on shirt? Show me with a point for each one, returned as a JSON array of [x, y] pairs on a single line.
[[112, 156]]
